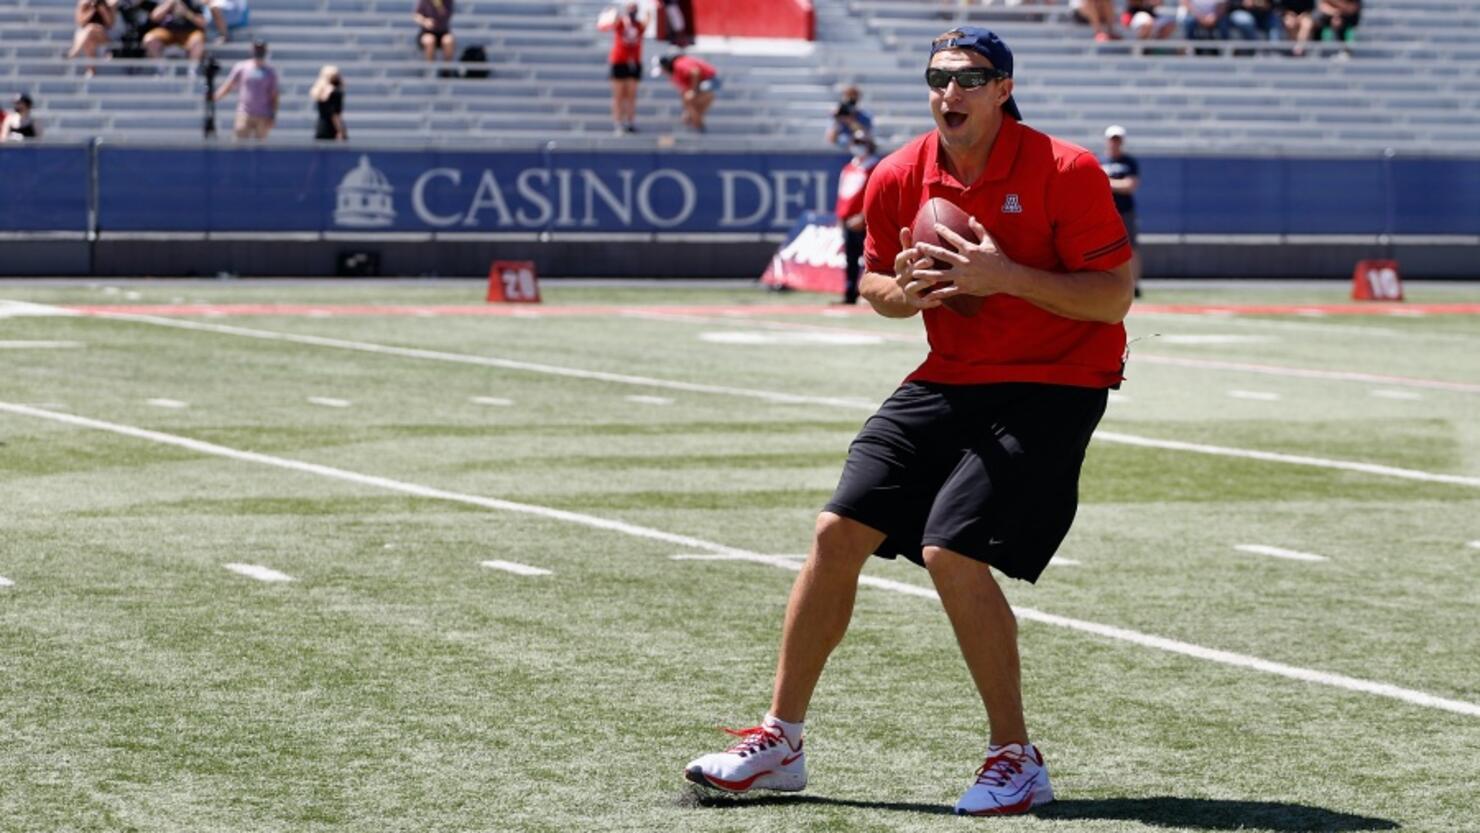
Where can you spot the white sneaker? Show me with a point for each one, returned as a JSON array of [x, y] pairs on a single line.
[[1013, 780], [763, 759]]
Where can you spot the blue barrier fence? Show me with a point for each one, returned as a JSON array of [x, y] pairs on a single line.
[[140, 189], [44, 189]]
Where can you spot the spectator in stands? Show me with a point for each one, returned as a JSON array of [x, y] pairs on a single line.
[[435, 19], [852, 183], [1146, 21], [179, 23], [328, 98], [94, 19], [1099, 14], [850, 122], [1124, 173], [21, 124], [680, 34], [627, 26], [257, 106], [1293, 14], [227, 15], [1257, 19], [1204, 19], [1339, 17], [133, 22], [697, 81]]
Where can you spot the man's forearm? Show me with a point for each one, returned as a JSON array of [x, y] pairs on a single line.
[[884, 295], [1082, 296]]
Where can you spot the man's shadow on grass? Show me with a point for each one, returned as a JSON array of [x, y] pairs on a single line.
[[1160, 811]]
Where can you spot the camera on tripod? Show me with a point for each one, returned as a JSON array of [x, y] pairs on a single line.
[[209, 69]]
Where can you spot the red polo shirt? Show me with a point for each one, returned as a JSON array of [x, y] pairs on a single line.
[[1047, 203]]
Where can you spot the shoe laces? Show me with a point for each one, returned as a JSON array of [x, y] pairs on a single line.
[[1000, 767], [755, 740]]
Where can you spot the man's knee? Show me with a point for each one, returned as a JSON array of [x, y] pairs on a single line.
[[843, 542], [941, 562]]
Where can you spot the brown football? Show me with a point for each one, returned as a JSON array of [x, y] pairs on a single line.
[[950, 215]]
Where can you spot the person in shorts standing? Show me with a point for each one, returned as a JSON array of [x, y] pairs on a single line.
[[1124, 173], [973, 463], [627, 26], [852, 184], [257, 106]]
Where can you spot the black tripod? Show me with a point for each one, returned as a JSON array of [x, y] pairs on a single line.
[[210, 68]]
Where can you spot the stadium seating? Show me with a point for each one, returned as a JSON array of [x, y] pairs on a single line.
[[1412, 84]]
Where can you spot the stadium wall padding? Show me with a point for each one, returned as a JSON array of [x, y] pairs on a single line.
[[649, 213]]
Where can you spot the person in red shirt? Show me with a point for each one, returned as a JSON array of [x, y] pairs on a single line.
[[697, 81], [973, 463], [627, 26], [849, 211]]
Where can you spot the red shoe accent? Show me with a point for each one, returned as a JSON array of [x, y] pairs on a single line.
[[788, 761], [733, 786]]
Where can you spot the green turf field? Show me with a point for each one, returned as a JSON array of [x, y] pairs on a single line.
[[395, 683]]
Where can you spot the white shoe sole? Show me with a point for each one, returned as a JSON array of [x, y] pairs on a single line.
[[776, 781]]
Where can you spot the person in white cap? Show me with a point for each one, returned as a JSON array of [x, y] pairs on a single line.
[[1125, 177]]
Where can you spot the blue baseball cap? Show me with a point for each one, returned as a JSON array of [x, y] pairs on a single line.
[[983, 42]]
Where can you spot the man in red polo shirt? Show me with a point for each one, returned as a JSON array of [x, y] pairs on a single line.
[[974, 461]]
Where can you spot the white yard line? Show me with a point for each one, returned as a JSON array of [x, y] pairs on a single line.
[[1293, 459], [1108, 631], [5, 582], [1279, 552], [329, 402], [1254, 395], [649, 400], [769, 396], [258, 572], [714, 557], [39, 345], [491, 400], [1136, 355], [1475, 545], [491, 361], [1305, 373], [174, 404], [516, 568]]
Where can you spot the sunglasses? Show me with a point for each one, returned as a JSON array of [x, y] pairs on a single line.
[[966, 79]]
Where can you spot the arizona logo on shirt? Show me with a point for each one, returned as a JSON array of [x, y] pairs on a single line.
[[1011, 205]]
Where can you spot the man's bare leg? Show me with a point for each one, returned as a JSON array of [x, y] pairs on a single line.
[[820, 608], [987, 632]]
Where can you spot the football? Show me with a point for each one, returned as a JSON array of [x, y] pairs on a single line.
[[950, 215]]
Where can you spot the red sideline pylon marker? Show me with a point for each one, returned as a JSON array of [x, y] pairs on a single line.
[[1377, 280], [513, 282]]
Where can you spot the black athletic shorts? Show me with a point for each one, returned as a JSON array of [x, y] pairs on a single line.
[[989, 471], [630, 69]]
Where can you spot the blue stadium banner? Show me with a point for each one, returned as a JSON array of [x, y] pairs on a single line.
[[44, 188], [397, 191], [234, 189]]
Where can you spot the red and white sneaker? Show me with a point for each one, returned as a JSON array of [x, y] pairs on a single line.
[[763, 759], [1013, 780]]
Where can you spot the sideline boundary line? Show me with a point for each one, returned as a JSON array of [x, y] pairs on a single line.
[[768, 396], [1109, 631]]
